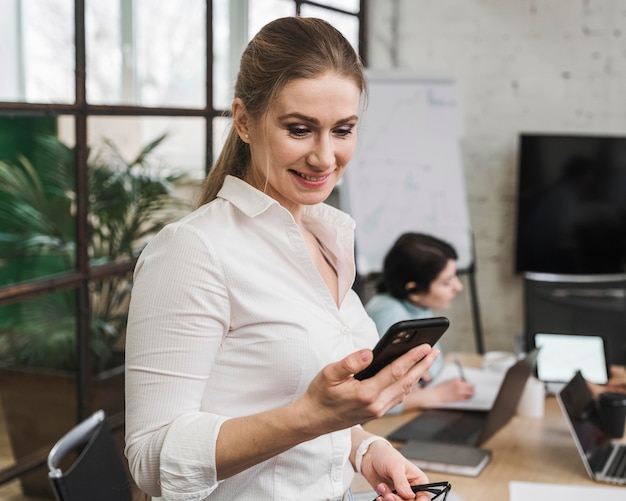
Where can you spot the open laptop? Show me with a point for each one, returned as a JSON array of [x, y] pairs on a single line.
[[604, 460], [470, 427]]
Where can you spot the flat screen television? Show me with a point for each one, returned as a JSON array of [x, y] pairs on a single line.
[[571, 204]]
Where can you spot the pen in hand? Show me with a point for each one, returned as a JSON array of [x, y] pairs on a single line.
[[457, 361]]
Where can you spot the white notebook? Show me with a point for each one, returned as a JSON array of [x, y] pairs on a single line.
[[486, 386]]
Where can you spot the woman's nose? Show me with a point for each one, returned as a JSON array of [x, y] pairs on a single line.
[[322, 156]]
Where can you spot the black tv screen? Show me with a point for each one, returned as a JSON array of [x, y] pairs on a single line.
[[571, 211]]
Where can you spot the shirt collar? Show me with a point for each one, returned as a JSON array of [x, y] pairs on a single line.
[[253, 202], [245, 197], [333, 227]]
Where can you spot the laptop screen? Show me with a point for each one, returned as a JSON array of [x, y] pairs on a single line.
[[579, 406], [561, 355]]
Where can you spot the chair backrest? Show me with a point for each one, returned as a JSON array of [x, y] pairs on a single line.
[[97, 474]]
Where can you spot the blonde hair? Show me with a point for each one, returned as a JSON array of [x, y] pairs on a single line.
[[284, 50]]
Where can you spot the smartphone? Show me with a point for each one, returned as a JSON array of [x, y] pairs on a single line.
[[400, 338]]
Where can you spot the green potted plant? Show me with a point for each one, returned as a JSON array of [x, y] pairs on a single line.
[[128, 202]]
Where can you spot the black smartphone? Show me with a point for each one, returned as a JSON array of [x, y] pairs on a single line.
[[400, 338]]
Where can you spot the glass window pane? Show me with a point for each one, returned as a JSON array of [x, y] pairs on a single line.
[[235, 22], [109, 313], [141, 170], [37, 199], [40, 332], [261, 12], [222, 81], [38, 367], [221, 128], [349, 5], [103, 46], [37, 347], [147, 52], [39, 65], [347, 24], [182, 149], [171, 52]]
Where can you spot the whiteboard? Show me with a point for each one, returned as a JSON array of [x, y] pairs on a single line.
[[407, 173]]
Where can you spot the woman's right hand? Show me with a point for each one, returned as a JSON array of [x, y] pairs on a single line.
[[336, 400]]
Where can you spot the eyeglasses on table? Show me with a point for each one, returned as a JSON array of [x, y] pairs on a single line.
[[437, 490]]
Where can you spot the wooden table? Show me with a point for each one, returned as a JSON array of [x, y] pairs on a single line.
[[526, 449]]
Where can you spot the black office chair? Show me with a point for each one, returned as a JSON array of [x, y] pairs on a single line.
[[97, 474]]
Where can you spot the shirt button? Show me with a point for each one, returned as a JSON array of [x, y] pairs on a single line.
[[337, 476], [345, 330]]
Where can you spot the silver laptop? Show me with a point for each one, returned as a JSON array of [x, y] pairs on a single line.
[[604, 460], [469, 427]]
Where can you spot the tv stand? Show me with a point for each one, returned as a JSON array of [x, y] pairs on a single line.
[[578, 304]]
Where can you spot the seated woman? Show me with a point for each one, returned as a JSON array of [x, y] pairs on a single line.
[[419, 276]]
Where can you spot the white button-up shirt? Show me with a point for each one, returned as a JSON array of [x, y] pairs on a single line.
[[229, 317]]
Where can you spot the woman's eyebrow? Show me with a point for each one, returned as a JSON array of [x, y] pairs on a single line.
[[313, 120]]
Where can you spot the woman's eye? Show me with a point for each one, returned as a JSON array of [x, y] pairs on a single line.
[[298, 131], [343, 131]]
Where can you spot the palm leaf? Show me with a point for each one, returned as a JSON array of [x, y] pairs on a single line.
[[128, 202]]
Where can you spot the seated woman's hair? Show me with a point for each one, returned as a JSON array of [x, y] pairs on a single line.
[[414, 257]]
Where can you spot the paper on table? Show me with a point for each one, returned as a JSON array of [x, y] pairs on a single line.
[[486, 386], [523, 491]]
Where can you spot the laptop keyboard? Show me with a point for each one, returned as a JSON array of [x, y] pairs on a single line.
[[461, 430]]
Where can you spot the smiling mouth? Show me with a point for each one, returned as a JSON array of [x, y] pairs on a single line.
[[314, 179]]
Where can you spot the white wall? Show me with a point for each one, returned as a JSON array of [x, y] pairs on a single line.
[[522, 65]]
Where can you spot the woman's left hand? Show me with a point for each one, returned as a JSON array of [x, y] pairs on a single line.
[[385, 468]]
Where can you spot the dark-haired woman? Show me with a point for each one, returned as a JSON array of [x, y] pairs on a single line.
[[419, 275]]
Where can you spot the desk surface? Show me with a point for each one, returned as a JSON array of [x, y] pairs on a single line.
[[526, 449]]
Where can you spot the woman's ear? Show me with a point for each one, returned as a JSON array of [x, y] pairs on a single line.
[[411, 292], [241, 120]]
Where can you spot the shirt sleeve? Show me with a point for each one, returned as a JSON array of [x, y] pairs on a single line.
[[178, 314]]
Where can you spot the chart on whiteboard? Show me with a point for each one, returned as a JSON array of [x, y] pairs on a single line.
[[405, 176]]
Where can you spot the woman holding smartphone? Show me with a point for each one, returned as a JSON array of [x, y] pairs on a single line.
[[244, 333]]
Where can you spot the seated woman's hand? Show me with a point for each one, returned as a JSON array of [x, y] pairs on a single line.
[[452, 390], [616, 382], [617, 379]]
